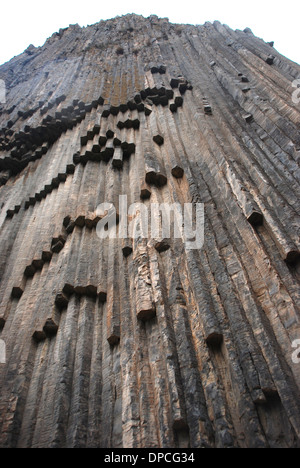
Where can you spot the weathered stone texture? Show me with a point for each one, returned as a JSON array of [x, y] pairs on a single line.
[[121, 343]]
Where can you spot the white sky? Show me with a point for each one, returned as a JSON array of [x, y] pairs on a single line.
[[24, 22]]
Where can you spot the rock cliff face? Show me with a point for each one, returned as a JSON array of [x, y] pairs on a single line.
[[144, 342]]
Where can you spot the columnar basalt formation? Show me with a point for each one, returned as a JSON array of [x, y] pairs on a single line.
[[144, 342]]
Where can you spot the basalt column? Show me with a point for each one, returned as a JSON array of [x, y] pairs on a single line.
[[141, 341]]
